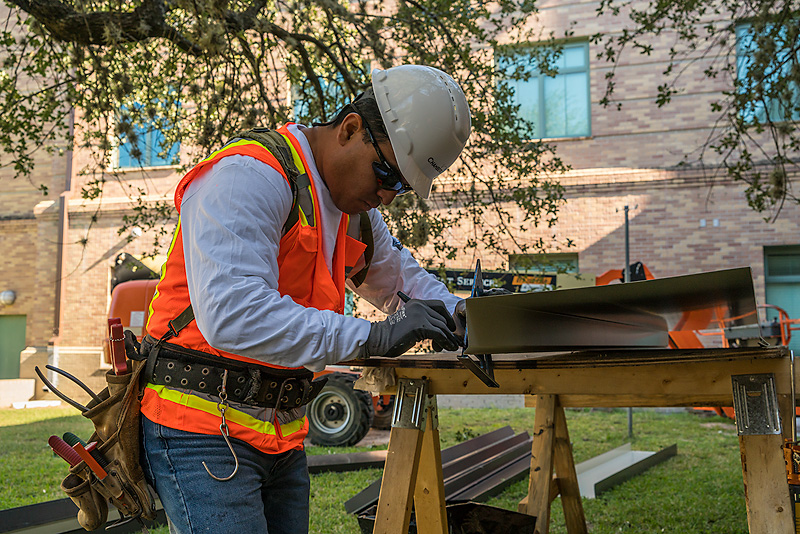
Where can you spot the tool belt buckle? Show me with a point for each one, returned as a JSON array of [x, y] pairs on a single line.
[[296, 392], [289, 396]]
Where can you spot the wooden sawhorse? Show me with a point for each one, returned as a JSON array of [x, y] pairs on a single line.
[[552, 449], [413, 465], [413, 470]]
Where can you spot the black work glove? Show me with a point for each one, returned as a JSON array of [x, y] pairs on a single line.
[[417, 320]]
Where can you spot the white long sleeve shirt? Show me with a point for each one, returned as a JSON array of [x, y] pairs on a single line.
[[232, 217]]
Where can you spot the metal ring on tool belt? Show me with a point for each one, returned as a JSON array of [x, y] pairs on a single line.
[[266, 387]]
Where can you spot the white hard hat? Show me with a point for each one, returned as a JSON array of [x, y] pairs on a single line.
[[427, 118]]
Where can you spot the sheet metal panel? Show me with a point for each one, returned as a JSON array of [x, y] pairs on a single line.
[[633, 315], [352, 461], [472, 448]]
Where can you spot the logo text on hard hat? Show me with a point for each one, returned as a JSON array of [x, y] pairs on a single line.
[[434, 164]]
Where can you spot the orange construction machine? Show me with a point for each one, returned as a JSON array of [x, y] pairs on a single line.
[[708, 323]]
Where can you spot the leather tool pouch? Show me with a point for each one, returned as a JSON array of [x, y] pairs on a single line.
[[116, 422], [92, 507]]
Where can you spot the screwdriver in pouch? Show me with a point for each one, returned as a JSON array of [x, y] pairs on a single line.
[[110, 483], [62, 448], [72, 439]]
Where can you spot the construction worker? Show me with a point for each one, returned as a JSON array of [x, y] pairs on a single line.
[[272, 227]]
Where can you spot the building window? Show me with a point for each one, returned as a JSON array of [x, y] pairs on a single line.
[[561, 262], [349, 302], [782, 264], [145, 146], [773, 95], [556, 106], [782, 278]]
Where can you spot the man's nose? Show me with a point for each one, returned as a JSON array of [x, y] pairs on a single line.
[[386, 196]]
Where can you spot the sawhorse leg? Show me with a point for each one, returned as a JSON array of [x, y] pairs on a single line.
[[551, 450], [758, 420], [413, 466]]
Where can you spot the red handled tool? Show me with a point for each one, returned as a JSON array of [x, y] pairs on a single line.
[[91, 448], [116, 344], [94, 459], [62, 448]]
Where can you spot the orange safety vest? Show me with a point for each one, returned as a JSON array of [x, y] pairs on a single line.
[[302, 274]]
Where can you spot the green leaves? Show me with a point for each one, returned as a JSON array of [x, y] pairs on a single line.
[[752, 47], [201, 71]]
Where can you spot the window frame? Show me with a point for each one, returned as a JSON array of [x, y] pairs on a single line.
[[150, 151], [540, 127], [757, 111], [775, 251]]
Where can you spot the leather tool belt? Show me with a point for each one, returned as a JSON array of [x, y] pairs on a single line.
[[178, 367]]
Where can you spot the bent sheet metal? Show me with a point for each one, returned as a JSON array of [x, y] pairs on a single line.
[[633, 315]]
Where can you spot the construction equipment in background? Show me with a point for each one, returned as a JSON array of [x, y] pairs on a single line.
[[711, 325], [341, 416]]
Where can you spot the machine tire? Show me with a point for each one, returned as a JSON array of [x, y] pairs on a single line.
[[339, 416], [384, 409]]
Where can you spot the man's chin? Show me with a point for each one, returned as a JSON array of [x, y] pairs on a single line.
[[352, 210]]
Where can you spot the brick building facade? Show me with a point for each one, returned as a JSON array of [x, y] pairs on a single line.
[[679, 222]]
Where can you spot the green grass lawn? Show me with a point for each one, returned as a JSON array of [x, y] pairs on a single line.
[[698, 491]]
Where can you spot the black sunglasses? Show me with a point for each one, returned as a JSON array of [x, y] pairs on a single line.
[[388, 178]]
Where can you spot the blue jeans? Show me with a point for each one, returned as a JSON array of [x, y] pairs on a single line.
[[269, 494]]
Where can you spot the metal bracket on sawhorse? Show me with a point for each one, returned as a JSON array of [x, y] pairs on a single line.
[[484, 369], [411, 404], [756, 405], [758, 421]]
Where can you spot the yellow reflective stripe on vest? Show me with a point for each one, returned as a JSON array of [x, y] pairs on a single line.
[[298, 162], [231, 414], [243, 142], [302, 216], [163, 270]]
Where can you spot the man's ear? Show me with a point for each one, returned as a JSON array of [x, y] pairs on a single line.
[[348, 128]]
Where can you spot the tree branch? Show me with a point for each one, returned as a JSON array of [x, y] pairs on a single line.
[[97, 28], [288, 36]]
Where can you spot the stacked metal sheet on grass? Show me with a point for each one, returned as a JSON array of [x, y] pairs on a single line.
[[473, 470]]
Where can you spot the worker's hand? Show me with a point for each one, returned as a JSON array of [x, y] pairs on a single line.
[[417, 320], [460, 315], [460, 318]]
